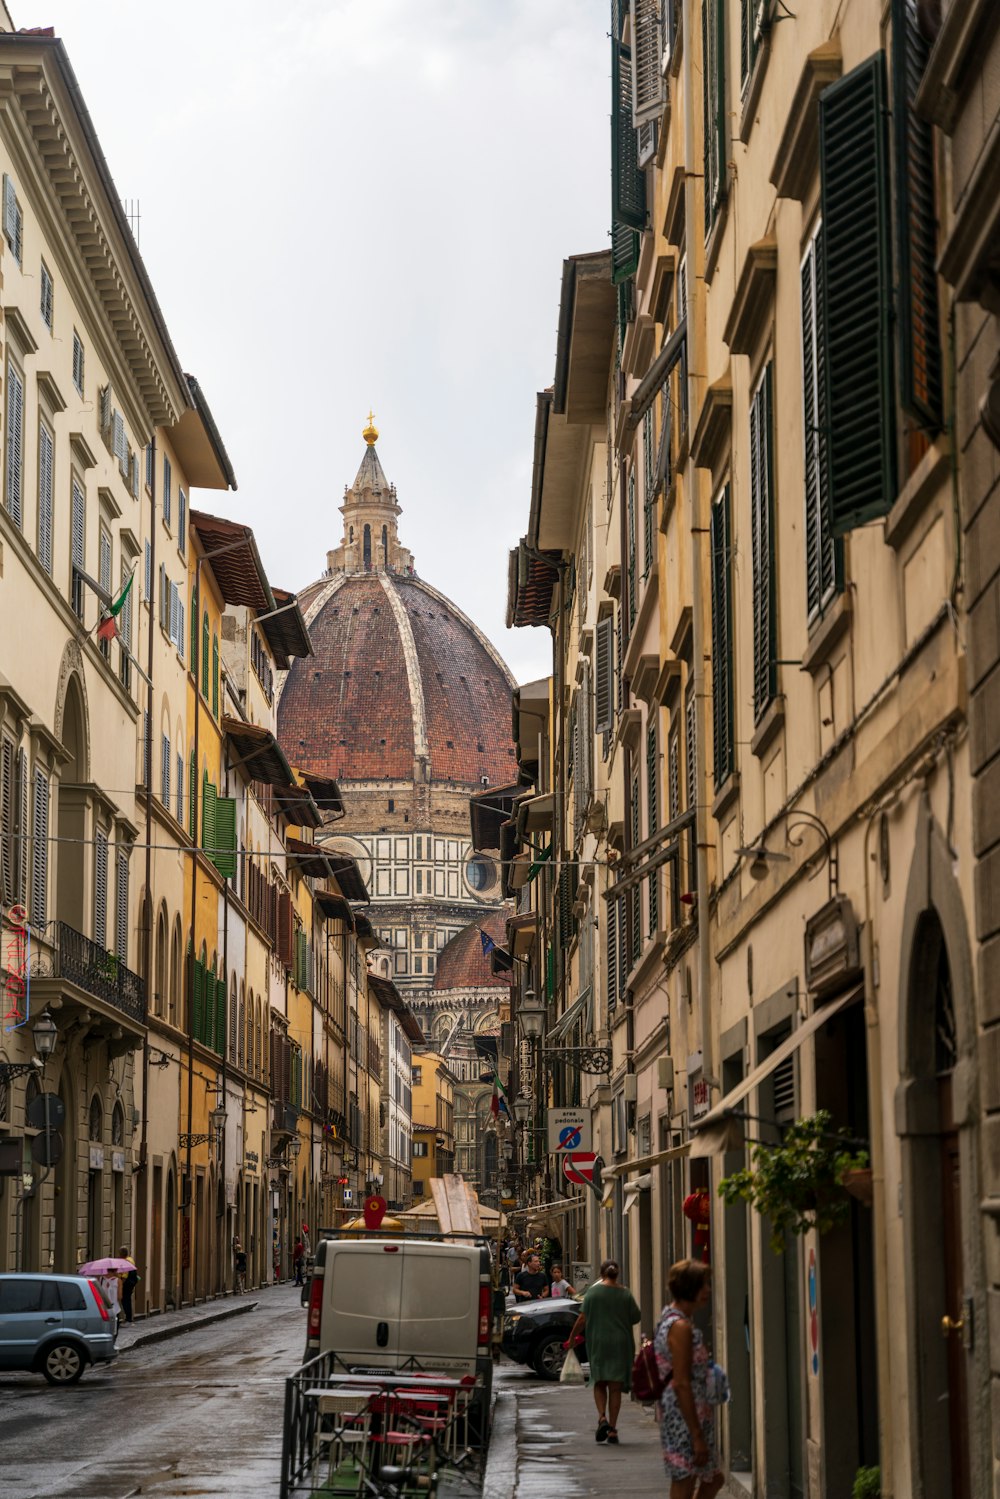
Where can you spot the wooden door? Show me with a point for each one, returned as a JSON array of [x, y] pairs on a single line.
[[954, 1328]]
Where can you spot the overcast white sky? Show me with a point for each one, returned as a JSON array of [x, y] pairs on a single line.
[[361, 202]]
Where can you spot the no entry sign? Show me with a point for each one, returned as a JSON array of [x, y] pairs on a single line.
[[579, 1168]]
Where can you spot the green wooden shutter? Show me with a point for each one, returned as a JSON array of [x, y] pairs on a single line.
[[824, 552], [857, 297], [219, 1041], [205, 637], [916, 223], [224, 857], [624, 252], [198, 1000], [215, 675], [628, 182], [604, 676], [648, 494], [194, 636], [193, 796], [722, 637], [765, 671], [713, 54], [208, 815], [612, 952]]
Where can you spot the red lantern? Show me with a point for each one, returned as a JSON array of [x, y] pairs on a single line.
[[698, 1208]]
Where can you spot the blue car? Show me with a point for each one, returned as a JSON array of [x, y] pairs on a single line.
[[54, 1325]]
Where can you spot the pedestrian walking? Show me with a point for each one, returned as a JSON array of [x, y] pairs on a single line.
[[609, 1314], [531, 1283], [298, 1260], [127, 1283], [560, 1285], [684, 1410], [239, 1268]]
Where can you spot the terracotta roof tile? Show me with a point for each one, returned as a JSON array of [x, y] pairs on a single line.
[[462, 964]]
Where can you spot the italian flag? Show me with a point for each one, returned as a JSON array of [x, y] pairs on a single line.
[[108, 628], [498, 1103]]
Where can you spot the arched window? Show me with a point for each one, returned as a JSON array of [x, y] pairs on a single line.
[[95, 1125], [162, 970], [367, 547], [205, 638], [242, 1032], [118, 1126], [176, 976], [350, 537], [233, 1019], [215, 674], [385, 546]]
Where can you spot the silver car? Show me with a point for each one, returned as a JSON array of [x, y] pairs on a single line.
[[55, 1325]]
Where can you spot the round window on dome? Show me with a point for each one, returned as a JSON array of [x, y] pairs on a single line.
[[480, 874]]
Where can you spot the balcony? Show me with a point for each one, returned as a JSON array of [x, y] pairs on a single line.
[[285, 1118], [75, 972]]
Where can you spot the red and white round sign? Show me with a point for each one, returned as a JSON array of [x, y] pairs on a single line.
[[579, 1168]]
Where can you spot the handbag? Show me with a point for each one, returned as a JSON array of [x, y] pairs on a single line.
[[572, 1370], [717, 1391], [648, 1384]]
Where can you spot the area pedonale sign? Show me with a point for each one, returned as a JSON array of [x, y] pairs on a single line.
[[569, 1131]]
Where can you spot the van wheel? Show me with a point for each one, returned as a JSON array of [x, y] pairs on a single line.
[[63, 1363], [549, 1356]]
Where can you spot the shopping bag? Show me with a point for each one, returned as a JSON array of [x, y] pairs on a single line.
[[571, 1372]]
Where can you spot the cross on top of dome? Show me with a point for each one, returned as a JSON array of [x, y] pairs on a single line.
[[370, 434], [370, 542]]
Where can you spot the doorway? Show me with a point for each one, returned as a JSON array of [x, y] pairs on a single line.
[[154, 1290], [169, 1245]]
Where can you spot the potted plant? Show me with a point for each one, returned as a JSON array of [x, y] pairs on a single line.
[[867, 1484], [798, 1182]]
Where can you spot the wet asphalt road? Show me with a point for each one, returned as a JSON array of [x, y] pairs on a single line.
[[198, 1415]]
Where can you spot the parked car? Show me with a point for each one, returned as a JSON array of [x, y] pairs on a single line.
[[408, 1302], [54, 1325], [534, 1333]]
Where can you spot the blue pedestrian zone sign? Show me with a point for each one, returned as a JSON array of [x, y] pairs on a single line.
[[569, 1131]]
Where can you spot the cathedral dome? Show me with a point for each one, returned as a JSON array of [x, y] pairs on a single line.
[[462, 963], [401, 685]]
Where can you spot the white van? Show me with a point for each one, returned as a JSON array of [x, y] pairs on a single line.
[[382, 1304]]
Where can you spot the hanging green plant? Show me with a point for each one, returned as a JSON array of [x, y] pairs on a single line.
[[798, 1183]]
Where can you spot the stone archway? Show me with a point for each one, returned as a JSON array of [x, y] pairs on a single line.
[[937, 1123]]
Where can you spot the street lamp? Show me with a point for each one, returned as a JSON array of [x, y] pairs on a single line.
[[217, 1119], [46, 1034], [522, 1108], [531, 1015], [294, 1146]]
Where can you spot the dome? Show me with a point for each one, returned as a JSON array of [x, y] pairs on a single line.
[[462, 964], [401, 685]]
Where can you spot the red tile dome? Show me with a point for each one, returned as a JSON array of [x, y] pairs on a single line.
[[399, 679], [462, 964]]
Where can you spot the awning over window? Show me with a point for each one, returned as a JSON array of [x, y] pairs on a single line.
[[348, 876], [325, 791], [488, 810], [707, 1138], [286, 631], [307, 858], [257, 752], [238, 569], [335, 907], [296, 803], [364, 928], [579, 1009]]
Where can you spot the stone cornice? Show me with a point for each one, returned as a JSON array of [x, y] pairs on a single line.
[[51, 132]]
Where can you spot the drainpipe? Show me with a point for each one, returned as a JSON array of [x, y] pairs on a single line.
[[877, 1142], [147, 749]]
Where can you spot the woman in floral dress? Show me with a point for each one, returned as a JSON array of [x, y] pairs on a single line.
[[687, 1419]]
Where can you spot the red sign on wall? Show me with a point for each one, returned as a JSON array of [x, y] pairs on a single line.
[[185, 1242]]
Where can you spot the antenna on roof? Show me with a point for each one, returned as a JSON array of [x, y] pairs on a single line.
[[131, 207]]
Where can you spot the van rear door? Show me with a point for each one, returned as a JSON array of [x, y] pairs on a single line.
[[362, 1295], [439, 1307]]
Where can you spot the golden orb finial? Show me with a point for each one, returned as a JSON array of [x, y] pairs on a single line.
[[370, 434]]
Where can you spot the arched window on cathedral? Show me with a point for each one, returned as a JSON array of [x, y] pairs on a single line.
[[385, 546], [367, 553]]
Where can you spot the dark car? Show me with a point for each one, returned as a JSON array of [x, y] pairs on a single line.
[[535, 1331], [55, 1325]]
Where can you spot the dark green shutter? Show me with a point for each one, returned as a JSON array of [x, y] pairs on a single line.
[[916, 223], [824, 553], [713, 52], [762, 536], [628, 182], [208, 816], [215, 675], [193, 798], [648, 494], [624, 252], [194, 636], [198, 1000], [220, 1016], [857, 300], [630, 523], [653, 821], [205, 636], [722, 638], [612, 952], [604, 676], [224, 857]]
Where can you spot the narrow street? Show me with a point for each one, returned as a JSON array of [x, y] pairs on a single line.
[[198, 1414]]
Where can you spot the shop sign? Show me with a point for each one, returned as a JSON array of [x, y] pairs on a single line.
[[97, 1157], [118, 1160], [251, 1160], [699, 1088]]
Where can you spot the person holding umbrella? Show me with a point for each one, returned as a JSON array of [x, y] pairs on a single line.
[[106, 1273], [127, 1283]]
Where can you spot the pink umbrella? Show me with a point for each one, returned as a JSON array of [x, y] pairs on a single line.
[[110, 1266]]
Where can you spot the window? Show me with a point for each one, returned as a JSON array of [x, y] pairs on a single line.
[[648, 491], [166, 489], [714, 105], [416, 1073], [104, 577], [125, 627], [722, 641], [15, 442], [419, 1148], [45, 296], [215, 674], [134, 474], [858, 296], [182, 507], [78, 361], [40, 852], [13, 218], [652, 820], [147, 583], [634, 896], [630, 543], [101, 888], [165, 758], [121, 907], [824, 554], [147, 749], [150, 461], [628, 182], [205, 644], [45, 450], [78, 529], [765, 634], [752, 13], [180, 788], [604, 677]]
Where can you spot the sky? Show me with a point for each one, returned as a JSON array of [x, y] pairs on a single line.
[[354, 204]]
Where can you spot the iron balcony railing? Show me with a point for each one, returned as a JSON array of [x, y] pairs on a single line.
[[285, 1117], [99, 972]]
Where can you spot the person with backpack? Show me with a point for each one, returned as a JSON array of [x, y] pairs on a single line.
[[692, 1386]]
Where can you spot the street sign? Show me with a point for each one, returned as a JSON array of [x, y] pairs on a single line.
[[579, 1168], [569, 1131], [46, 1111], [47, 1148]]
